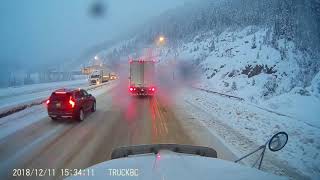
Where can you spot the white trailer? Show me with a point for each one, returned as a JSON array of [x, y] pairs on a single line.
[[142, 77]]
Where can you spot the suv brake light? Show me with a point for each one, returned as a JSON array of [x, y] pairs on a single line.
[[72, 102]]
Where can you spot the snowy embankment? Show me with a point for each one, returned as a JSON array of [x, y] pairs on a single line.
[[244, 127], [26, 117], [13, 96], [279, 88], [245, 64]]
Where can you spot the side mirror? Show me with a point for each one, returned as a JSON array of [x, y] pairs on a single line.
[[275, 143], [278, 141]]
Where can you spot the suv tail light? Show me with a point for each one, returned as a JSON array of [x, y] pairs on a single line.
[[72, 102], [47, 101]]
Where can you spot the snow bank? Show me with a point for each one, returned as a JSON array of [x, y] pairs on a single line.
[[28, 89], [244, 127], [304, 108], [11, 97]]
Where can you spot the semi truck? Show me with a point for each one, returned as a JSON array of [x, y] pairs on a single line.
[[142, 77], [98, 77]]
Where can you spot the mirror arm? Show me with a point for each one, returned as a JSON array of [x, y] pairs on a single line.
[[261, 147], [254, 164], [262, 155], [264, 147]]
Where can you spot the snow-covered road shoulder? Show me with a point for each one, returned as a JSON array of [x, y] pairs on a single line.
[[244, 127]]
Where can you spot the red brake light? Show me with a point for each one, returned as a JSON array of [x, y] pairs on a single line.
[[71, 102], [131, 89], [48, 101], [153, 89], [59, 92]]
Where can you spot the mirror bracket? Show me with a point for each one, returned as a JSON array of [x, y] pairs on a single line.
[[263, 147]]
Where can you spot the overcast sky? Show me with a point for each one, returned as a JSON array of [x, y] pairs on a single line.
[[38, 31]]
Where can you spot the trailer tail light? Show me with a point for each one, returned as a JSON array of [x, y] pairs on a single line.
[[71, 102], [152, 89]]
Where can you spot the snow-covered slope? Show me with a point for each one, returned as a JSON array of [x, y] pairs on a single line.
[[246, 64], [270, 76]]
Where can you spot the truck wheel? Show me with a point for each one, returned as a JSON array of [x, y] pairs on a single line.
[[93, 108], [80, 115]]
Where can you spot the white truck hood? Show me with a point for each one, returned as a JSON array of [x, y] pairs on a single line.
[[167, 165]]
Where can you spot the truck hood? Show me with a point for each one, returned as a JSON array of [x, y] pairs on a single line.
[[170, 165]]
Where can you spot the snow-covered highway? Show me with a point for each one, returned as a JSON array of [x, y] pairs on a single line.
[[30, 139], [119, 120]]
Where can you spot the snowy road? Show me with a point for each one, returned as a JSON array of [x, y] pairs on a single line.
[[29, 139], [119, 121]]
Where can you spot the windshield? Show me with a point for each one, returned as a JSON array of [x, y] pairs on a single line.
[[224, 74], [60, 97], [95, 76]]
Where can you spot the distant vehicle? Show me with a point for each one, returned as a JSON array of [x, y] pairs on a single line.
[[113, 76], [99, 76], [142, 77], [175, 161], [70, 103]]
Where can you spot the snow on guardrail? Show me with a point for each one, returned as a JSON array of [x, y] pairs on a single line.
[[9, 111], [219, 93], [242, 99]]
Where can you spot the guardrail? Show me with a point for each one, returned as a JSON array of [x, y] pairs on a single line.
[[18, 108], [219, 93], [242, 99]]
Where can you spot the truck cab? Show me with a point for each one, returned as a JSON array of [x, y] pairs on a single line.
[[95, 79]]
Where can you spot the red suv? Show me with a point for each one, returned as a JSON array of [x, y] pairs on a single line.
[[70, 103]]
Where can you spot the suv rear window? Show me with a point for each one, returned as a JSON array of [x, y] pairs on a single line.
[[60, 97]]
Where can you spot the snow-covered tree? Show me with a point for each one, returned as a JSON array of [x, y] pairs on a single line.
[[253, 46], [234, 86]]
